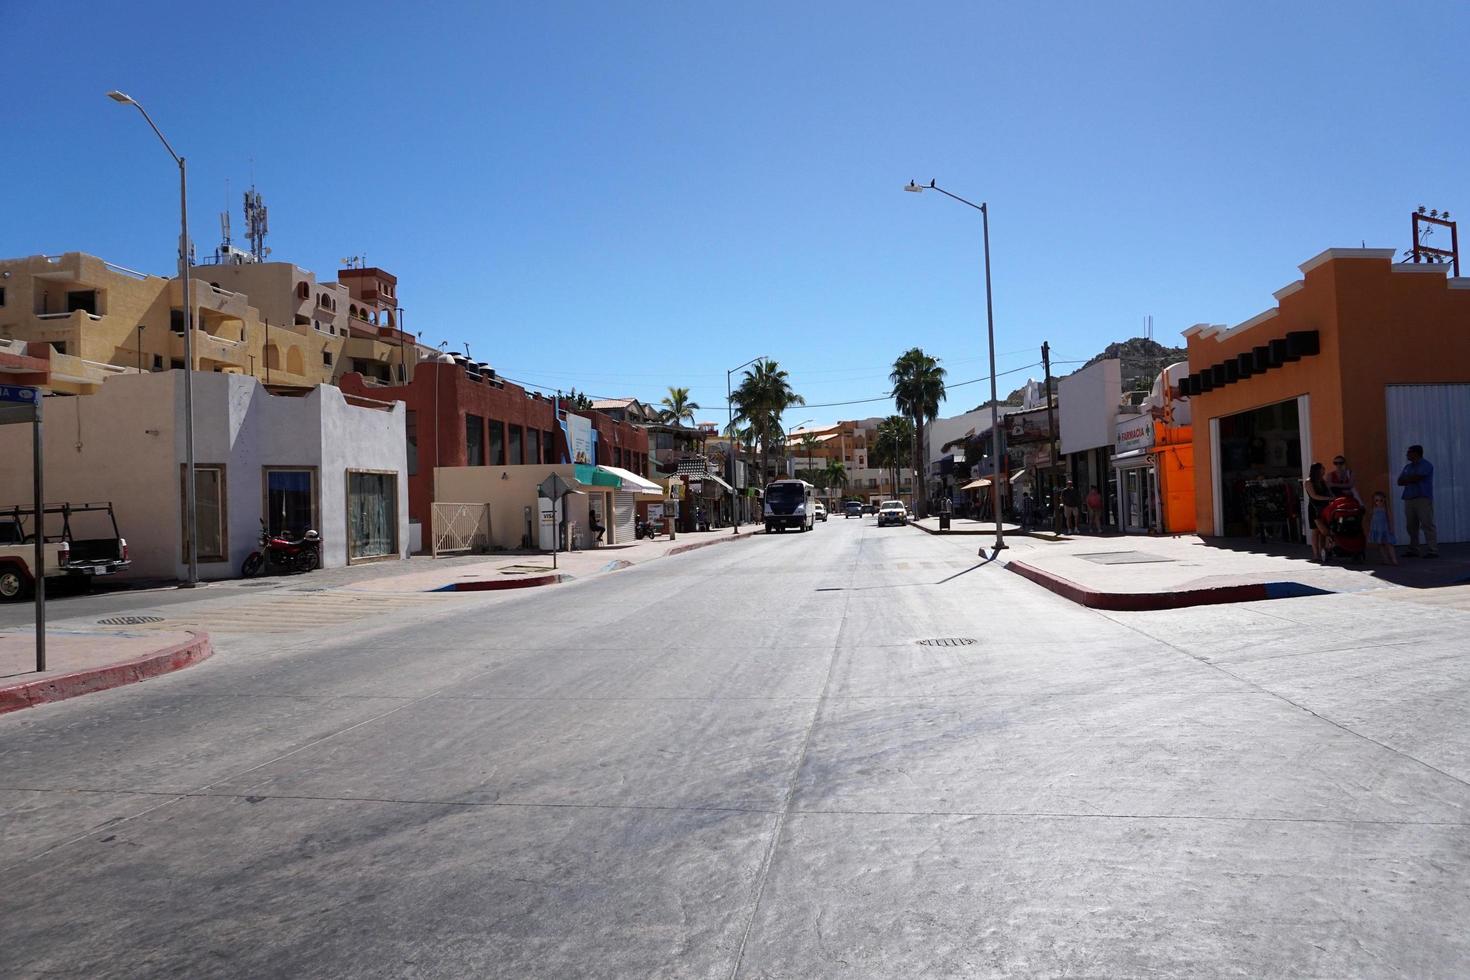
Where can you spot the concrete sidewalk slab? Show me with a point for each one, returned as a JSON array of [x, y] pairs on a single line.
[[521, 571], [1141, 573], [80, 662]]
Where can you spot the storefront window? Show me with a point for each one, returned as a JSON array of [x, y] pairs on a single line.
[[1261, 471], [290, 499], [372, 514], [515, 446], [209, 512], [533, 446]]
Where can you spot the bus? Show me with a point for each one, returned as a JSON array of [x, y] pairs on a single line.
[[790, 503]]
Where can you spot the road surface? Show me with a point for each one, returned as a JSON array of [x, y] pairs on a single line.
[[747, 762]]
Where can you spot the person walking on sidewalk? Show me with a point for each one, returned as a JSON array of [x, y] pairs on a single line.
[[1318, 497], [1071, 500], [1380, 529], [1028, 512], [1417, 479], [1094, 508]]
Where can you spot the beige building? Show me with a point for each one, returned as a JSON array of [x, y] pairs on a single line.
[[271, 320]]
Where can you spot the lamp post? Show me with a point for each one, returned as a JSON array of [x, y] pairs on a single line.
[[191, 522], [915, 188], [730, 433]]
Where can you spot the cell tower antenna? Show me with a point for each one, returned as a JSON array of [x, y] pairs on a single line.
[[224, 220], [257, 224]]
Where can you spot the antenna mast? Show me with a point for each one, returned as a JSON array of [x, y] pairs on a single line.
[[256, 224]]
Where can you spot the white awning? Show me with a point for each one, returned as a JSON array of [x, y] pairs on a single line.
[[1134, 457], [634, 483], [721, 482]]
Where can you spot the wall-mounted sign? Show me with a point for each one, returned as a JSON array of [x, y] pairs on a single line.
[[579, 437], [1135, 432]]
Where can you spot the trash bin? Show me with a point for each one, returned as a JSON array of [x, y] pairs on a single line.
[[944, 522]]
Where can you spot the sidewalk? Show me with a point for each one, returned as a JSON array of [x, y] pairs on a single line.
[[80, 662], [529, 569], [964, 525], [1136, 572]]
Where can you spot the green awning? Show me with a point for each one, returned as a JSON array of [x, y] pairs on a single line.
[[595, 476]]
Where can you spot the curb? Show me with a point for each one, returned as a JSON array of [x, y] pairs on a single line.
[[497, 585], [63, 686], [1146, 601], [684, 548]]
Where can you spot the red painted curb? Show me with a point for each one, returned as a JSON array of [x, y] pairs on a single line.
[[1140, 601], [63, 686], [496, 585]]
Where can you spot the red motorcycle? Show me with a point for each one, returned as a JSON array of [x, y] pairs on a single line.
[[282, 554]]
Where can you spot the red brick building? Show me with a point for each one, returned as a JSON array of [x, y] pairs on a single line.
[[460, 414]]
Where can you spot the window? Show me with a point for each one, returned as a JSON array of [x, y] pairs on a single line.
[[548, 448], [533, 445], [474, 440], [372, 514], [158, 362], [176, 321], [82, 299], [2, 295], [290, 500], [59, 346], [515, 446], [411, 436], [209, 511], [176, 364], [327, 358], [303, 289], [497, 442]]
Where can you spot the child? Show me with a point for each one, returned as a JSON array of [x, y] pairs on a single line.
[[1380, 529]]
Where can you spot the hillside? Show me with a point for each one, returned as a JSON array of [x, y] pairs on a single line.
[[1142, 360]]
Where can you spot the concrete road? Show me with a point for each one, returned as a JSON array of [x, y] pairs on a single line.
[[743, 762]]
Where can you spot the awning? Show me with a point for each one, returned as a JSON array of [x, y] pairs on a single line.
[[984, 481], [714, 479], [633, 483], [596, 476], [1134, 457]]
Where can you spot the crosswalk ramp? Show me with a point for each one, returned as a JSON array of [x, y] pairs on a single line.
[[284, 613]]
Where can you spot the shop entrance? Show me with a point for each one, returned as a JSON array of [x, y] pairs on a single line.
[[1136, 494], [1260, 465]]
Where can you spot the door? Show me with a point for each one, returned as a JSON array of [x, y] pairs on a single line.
[[372, 515], [625, 513], [1432, 416]]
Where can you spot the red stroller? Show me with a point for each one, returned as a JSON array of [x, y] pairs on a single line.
[[1344, 520]]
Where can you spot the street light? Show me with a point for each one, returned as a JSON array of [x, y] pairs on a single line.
[[730, 433], [916, 188], [191, 523]]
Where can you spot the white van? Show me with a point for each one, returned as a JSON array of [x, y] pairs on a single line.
[[790, 503]]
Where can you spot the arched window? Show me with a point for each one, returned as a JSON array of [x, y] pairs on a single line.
[[293, 360], [303, 290]]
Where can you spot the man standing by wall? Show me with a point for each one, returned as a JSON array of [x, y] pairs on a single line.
[[1417, 479]]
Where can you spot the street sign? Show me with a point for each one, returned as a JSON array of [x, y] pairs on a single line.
[[19, 394]]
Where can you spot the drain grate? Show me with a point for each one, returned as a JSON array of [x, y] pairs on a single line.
[[129, 620], [947, 641]]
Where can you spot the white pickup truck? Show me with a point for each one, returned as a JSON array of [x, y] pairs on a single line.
[[64, 553]]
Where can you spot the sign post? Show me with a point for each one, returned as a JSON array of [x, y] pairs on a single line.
[[18, 404]]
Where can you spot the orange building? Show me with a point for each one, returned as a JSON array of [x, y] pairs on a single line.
[[1361, 357]]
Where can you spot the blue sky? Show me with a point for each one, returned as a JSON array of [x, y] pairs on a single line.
[[621, 197]]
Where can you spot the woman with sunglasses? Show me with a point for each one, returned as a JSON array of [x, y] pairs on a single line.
[[1340, 480]]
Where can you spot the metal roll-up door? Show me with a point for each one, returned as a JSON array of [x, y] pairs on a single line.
[[1435, 417], [625, 513]]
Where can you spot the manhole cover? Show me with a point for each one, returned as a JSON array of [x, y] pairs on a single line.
[[947, 641], [129, 620], [1122, 558]]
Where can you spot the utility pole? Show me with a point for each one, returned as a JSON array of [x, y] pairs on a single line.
[[1051, 426]]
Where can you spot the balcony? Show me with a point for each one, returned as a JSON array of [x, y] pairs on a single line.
[[211, 349]]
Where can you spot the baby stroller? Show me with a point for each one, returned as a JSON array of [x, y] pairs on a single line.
[[1344, 520]]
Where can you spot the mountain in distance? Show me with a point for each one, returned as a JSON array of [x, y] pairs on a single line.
[[1142, 360]]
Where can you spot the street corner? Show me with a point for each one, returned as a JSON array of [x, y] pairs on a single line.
[[86, 662]]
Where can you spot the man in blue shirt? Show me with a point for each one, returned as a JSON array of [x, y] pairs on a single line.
[[1417, 479]]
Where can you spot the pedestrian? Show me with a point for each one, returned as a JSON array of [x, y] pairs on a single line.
[[1028, 512], [1417, 479], [1071, 501], [597, 529], [1340, 480], [1318, 497], [1380, 529], [1095, 508]]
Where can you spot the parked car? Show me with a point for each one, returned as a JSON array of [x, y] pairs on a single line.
[[821, 510], [870, 508], [64, 553], [853, 508], [892, 512]]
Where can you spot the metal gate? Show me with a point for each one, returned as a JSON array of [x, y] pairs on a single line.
[[460, 528], [1432, 416], [625, 516]]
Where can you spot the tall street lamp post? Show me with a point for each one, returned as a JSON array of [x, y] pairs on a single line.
[[915, 188], [191, 522], [730, 433]]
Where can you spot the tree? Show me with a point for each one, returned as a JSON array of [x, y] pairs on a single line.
[[575, 399], [918, 388], [677, 408], [765, 393], [809, 444], [836, 474], [895, 436]]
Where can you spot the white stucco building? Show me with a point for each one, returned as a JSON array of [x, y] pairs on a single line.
[[315, 458]]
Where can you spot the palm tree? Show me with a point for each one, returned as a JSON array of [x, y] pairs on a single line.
[[765, 393], [836, 475], [895, 435], [809, 443], [677, 408], [918, 388]]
